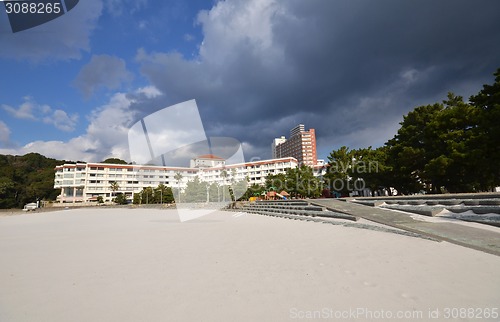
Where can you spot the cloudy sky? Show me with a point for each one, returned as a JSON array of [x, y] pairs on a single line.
[[71, 88]]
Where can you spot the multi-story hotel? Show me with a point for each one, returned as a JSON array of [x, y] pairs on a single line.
[[85, 182], [301, 145]]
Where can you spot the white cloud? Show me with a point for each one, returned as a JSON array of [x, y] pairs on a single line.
[[234, 24], [76, 149], [102, 71], [109, 124], [149, 91], [188, 37], [142, 25], [4, 134], [62, 121], [25, 111], [31, 110], [106, 135]]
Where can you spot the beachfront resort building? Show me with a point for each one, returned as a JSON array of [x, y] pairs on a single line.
[[301, 145], [86, 182]]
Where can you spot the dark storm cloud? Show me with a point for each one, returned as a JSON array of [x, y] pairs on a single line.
[[350, 69]]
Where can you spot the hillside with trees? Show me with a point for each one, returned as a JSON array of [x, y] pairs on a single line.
[[26, 178]]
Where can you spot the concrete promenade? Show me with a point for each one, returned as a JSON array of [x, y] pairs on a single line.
[[485, 240]]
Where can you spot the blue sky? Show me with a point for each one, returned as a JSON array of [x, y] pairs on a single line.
[[350, 69]]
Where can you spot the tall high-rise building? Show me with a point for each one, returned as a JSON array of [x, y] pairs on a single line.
[[301, 145], [276, 142]]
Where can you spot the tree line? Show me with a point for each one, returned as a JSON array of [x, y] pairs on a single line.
[[452, 146], [196, 191]]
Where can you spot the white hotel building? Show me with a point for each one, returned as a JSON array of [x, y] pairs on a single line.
[[85, 182]]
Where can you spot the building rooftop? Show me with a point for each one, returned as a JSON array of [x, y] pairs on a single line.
[[209, 156]]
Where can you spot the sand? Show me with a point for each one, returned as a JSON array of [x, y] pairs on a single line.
[[145, 265]]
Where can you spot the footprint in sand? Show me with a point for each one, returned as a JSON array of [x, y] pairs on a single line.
[[408, 296], [369, 284]]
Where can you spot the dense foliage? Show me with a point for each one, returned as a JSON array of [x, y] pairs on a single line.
[[25, 179], [443, 147], [199, 191], [114, 161], [298, 182], [159, 195]]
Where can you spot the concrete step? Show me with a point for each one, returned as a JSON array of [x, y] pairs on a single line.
[[304, 213], [420, 210], [283, 203], [480, 210], [304, 207]]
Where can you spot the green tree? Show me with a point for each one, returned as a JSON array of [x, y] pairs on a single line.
[[114, 161], [136, 199], [484, 141], [120, 199], [414, 145], [276, 182], [25, 179], [338, 174], [255, 190], [178, 177], [6, 190], [225, 191], [163, 194], [232, 185], [196, 191], [114, 186], [370, 166], [214, 192], [147, 196], [440, 147], [238, 189], [301, 182], [450, 168]]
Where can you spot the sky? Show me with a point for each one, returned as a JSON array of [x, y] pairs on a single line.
[[71, 88]]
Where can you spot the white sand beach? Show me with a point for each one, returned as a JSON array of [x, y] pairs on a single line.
[[145, 265]]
